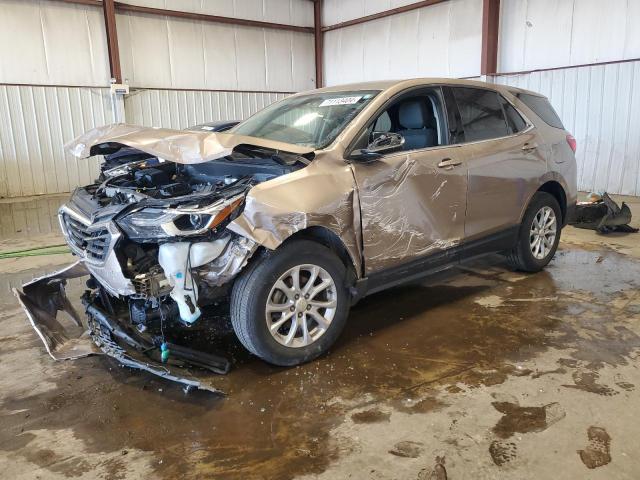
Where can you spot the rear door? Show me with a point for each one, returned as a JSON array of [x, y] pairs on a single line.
[[506, 161]]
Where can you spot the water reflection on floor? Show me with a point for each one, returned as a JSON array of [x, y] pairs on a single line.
[[33, 216]]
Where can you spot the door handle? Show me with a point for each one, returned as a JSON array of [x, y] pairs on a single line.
[[449, 163], [529, 147]]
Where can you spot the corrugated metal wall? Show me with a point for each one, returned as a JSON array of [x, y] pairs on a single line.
[[52, 43], [337, 11], [58, 44], [439, 40], [62, 47], [166, 52], [35, 122], [538, 34], [600, 105], [289, 12], [181, 109]]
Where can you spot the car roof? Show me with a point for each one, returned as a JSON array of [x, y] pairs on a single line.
[[414, 82]]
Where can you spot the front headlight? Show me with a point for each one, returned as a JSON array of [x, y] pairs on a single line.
[[153, 224], [146, 224]]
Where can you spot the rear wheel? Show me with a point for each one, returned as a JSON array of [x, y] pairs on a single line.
[[539, 234], [290, 306]]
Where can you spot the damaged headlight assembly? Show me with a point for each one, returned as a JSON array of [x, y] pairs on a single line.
[[179, 232], [155, 224]]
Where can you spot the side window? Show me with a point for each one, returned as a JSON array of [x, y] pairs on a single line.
[[383, 123], [481, 114], [418, 118], [542, 108], [514, 120], [454, 122]]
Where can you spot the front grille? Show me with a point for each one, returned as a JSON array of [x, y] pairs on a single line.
[[94, 242]]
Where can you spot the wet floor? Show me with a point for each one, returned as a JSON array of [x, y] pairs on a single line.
[[417, 352], [19, 218]]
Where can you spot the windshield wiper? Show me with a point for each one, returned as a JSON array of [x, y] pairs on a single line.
[[283, 158]]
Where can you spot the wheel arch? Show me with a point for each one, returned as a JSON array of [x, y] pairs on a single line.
[[554, 188], [326, 237], [553, 184]]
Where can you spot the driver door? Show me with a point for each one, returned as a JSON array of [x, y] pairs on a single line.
[[412, 201]]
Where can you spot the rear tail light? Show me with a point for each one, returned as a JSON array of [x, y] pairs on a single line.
[[572, 142]]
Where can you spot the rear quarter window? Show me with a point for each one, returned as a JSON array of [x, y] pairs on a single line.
[[481, 113], [514, 119], [542, 108]]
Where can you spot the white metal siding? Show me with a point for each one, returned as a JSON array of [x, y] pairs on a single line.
[[180, 109], [439, 40], [55, 43], [288, 12], [52, 43], [337, 11], [166, 52], [600, 106], [538, 34], [35, 123]]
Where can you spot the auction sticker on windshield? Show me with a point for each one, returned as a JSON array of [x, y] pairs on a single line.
[[329, 102]]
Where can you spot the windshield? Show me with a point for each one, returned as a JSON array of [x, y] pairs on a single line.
[[310, 120]]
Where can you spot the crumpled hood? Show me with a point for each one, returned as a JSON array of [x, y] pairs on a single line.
[[177, 146]]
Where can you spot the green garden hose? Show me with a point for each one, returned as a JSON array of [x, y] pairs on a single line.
[[36, 251]]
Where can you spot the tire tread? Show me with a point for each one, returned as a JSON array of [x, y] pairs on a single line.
[[245, 312], [520, 258]]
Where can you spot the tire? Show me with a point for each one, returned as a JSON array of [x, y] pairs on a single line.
[[522, 257], [258, 283]]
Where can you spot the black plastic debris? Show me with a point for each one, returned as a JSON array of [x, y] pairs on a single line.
[[603, 215], [68, 335]]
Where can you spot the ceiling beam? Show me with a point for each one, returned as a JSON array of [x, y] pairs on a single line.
[[109, 11], [386, 13], [490, 30], [125, 7], [92, 3]]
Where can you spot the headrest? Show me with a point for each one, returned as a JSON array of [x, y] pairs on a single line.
[[412, 114]]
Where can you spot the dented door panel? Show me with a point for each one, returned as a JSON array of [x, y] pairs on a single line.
[[410, 206]]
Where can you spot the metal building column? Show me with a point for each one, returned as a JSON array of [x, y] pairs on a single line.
[[490, 29], [317, 35], [109, 10]]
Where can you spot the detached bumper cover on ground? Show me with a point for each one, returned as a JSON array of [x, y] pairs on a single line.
[[68, 335], [603, 215]]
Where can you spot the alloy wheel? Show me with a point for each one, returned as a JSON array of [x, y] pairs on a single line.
[[301, 305], [542, 234]]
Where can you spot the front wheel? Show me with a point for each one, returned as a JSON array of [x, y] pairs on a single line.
[[539, 234], [289, 306]]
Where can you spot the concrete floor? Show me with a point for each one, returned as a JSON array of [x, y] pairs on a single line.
[[484, 373]]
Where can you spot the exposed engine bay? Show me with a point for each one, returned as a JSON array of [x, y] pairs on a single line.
[[165, 225], [151, 234]]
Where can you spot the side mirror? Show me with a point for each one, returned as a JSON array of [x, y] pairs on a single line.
[[383, 142]]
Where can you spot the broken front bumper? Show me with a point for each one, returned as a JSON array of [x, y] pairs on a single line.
[[68, 335]]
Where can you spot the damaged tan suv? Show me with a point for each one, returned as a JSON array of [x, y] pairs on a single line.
[[293, 215]]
